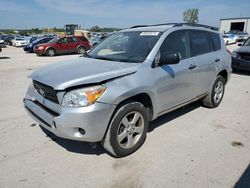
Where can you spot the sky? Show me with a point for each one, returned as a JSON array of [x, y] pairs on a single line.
[[25, 14]]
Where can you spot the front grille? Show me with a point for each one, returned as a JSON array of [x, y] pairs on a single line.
[[245, 56], [46, 91], [51, 112]]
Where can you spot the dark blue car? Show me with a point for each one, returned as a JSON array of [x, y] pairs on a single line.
[[29, 47]]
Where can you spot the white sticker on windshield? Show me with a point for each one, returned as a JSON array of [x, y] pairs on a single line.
[[149, 34]]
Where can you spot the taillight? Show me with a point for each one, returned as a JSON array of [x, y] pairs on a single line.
[[230, 53]]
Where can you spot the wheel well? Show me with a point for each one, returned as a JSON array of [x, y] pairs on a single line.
[[81, 46], [143, 98], [50, 48], [224, 74]]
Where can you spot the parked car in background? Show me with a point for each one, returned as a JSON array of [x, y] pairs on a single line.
[[241, 57], [8, 40], [30, 39], [63, 45], [242, 36], [30, 47], [19, 42], [230, 38], [134, 76], [2, 43], [96, 40]]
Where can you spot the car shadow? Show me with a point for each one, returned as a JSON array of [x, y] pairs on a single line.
[[4, 57], [75, 146], [86, 148], [244, 180], [173, 115], [242, 72]]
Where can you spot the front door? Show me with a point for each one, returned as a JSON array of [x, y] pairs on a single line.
[[175, 83]]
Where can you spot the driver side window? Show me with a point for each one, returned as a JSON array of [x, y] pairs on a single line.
[[176, 42]]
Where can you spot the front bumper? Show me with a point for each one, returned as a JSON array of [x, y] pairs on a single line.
[[65, 122], [27, 49], [40, 52]]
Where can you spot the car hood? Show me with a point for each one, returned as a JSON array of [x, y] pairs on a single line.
[[82, 71], [243, 49]]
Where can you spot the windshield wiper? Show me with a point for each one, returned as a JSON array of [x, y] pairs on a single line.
[[86, 55], [104, 58]]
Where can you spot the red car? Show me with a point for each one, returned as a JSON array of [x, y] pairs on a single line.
[[63, 45]]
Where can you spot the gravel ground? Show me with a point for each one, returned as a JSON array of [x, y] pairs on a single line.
[[190, 147]]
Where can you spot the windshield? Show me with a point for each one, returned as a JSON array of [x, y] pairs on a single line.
[[54, 40], [131, 47], [247, 43]]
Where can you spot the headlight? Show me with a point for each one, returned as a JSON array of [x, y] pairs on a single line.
[[82, 97], [40, 48], [234, 54]]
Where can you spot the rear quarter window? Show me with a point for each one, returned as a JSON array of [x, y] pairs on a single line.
[[83, 39], [216, 41]]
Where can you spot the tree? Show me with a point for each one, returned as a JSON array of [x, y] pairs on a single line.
[[95, 29], [191, 15]]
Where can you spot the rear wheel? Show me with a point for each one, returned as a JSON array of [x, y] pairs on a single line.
[[50, 52], [127, 130], [216, 93]]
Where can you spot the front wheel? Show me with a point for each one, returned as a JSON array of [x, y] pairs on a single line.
[[81, 50], [216, 93], [127, 130], [50, 52]]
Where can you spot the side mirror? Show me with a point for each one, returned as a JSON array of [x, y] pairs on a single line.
[[169, 58], [239, 44]]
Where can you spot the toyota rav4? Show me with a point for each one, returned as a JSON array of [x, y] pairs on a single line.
[[112, 93]]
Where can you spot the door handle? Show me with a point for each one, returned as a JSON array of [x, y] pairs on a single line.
[[217, 60], [191, 67]]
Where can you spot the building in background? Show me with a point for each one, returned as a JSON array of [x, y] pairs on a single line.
[[241, 24]]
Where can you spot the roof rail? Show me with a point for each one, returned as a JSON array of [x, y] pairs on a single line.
[[195, 25], [136, 26], [178, 25]]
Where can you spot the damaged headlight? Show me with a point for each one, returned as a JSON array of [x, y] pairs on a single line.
[[82, 97]]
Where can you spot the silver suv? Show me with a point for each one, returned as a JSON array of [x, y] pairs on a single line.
[[112, 93]]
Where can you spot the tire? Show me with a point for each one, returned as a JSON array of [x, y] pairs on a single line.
[[124, 137], [216, 93], [50, 52], [81, 50]]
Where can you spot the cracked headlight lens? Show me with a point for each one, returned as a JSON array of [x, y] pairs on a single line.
[[82, 97]]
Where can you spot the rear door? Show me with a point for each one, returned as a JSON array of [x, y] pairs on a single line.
[[72, 44], [206, 60]]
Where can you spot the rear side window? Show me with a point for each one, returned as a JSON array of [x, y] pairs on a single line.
[[176, 42], [216, 41], [200, 43], [72, 40], [83, 39]]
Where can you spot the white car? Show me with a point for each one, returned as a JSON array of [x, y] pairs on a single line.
[[1, 43], [230, 38], [19, 42]]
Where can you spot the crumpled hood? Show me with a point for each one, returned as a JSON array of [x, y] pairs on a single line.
[[82, 71], [243, 49]]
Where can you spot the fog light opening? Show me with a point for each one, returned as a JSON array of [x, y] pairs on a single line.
[[81, 131]]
